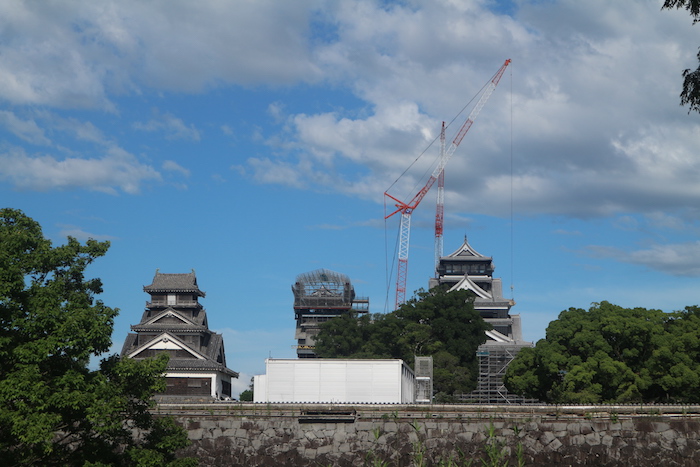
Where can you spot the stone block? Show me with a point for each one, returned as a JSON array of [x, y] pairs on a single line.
[[208, 424], [195, 434], [669, 434], [364, 426], [573, 428], [229, 433], [325, 449], [225, 424], [465, 436], [593, 439], [607, 440], [470, 428], [547, 437], [660, 426], [390, 427], [554, 445], [586, 428], [431, 443]]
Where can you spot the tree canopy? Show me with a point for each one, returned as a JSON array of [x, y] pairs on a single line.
[[611, 354], [436, 323], [690, 95], [54, 410]]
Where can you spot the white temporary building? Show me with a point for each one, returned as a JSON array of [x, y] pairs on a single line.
[[335, 381]]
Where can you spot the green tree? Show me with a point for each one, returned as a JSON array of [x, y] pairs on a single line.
[[53, 409], [611, 354], [247, 395], [690, 95], [438, 323]]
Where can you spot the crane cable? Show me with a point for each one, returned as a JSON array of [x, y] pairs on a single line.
[[512, 227]]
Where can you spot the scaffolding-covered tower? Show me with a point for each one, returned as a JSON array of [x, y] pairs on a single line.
[[321, 295], [466, 269]]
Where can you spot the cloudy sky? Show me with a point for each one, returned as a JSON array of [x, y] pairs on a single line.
[[253, 140]]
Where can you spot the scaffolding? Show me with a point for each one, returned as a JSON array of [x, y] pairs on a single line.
[[493, 362], [323, 289], [321, 295], [424, 379]]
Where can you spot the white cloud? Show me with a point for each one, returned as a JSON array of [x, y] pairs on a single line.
[[679, 259], [596, 126], [80, 130], [117, 169], [172, 166], [74, 54], [27, 130], [173, 127], [597, 129]]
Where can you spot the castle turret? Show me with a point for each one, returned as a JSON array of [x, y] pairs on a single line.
[[466, 269], [174, 322]]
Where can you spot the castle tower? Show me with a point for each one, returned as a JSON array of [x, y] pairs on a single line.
[[321, 295], [466, 269], [174, 322]]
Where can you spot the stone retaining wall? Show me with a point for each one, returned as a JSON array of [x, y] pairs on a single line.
[[346, 435]]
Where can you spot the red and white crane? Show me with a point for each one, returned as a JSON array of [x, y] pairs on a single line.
[[407, 208], [440, 205]]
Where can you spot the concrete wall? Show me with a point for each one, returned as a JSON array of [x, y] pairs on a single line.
[[347, 435]]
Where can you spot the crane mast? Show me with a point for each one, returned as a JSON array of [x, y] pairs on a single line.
[[406, 209], [440, 206]]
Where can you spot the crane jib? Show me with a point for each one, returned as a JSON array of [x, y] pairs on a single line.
[[406, 209]]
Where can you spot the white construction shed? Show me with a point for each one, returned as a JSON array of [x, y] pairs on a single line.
[[335, 381]]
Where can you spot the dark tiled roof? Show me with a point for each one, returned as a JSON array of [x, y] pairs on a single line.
[[184, 327], [128, 343], [210, 352], [174, 283], [194, 365]]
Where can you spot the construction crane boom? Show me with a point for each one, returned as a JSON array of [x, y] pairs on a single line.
[[406, 209]]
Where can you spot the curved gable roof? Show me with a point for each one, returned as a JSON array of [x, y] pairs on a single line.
[[466, 250], [467, 284], [174, 283]]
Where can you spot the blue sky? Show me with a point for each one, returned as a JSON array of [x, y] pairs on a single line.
[[253, 141]]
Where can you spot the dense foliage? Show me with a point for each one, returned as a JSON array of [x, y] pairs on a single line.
[[611, 354], [691, 78], [53, 409], [437, 323]]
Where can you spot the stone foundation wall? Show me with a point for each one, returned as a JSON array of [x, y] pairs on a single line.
[[345, 435]]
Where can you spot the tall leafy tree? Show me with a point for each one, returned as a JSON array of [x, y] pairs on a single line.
[[54, 410], [690, 95], [434, 323], [611, 354]]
